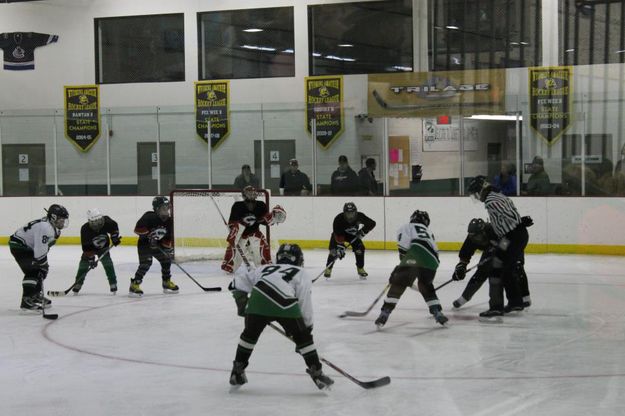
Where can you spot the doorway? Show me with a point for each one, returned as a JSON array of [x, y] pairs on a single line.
[[147, 168], [277, 156], [24, 169]]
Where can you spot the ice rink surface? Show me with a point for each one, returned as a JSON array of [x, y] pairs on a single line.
[[172, 354]]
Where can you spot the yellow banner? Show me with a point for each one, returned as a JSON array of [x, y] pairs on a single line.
[[324, 104], [430, 94], [82, 115], [212, 104]]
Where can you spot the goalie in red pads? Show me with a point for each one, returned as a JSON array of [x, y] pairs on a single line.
[[245, 218]]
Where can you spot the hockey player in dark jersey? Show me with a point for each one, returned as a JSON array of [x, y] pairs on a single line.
[[346, 229], [244, 223], [481, 236], [29, 246], [94, 237], [279, 292], [508, 254], [418, 255], [154, 229]]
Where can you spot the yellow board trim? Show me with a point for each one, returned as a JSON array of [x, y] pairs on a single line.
[[381, 245]]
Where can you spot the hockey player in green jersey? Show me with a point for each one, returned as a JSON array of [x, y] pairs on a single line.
[[94, 237], [277, 292], [418, 256]]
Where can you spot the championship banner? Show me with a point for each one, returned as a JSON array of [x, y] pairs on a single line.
[[212, 104], [550, 102], [324, 104], [82, 115], [432, 94]]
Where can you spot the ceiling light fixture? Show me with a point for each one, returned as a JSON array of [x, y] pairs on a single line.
[[252, 30]]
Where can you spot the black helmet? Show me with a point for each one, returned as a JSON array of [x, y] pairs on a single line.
[[477, 186], [290, 254], [159, 201], [58, 216], [420, 217], [350, 211], [476, 226], [249, 193]]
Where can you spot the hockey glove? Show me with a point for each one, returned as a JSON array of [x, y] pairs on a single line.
[[527, 221], [361, 234], [116, 239], [42, 268], [240, 298], [460, 272], [276, 216], [339, 252]]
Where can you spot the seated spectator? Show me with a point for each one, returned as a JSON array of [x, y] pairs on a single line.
[[368, 183], [294, 182], [538, 182], [344, 180], [505, 181], [606, 185], [246, 178]]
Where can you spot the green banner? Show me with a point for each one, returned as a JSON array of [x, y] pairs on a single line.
[[212, 105], [324, 104], [550, 101], [82, 115]]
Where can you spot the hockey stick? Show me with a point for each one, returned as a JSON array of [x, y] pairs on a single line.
[[382, 381], [377, 299], [59, 293], [205, 289], [44, 315], [236, 245], [333, 261]]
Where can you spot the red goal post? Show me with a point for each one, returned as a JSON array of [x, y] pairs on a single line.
[[199, 232]]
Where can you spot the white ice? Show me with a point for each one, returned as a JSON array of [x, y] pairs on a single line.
[[172, 354]]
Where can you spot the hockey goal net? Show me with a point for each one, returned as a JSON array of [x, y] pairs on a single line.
[[199, 217]]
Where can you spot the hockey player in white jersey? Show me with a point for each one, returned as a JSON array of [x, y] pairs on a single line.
[[30, 245], [418, 256], [279, 292]]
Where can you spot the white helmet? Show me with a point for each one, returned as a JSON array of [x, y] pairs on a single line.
[[95, 218]]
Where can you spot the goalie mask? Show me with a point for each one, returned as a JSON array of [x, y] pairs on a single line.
[[95, 219], [350, 212], [160, 205], [58, 216], [420, 217], [249, 193], [290, 254]]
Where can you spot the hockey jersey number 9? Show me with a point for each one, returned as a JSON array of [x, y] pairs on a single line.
[[417, 245], [277, 290]]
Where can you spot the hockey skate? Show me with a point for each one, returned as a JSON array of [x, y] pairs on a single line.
[[322, 381], [237, 376], [227, 268], [39, 298], [527, 301], [381, 321], [362, 273], [135, 289], [113, 287], [327, 272], [77, 287], [440, 318], [169, 286], [29, 303], [459, 302], [491, 316], [511, 309]]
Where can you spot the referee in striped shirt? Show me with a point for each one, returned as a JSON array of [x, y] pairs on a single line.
[[508, 255]]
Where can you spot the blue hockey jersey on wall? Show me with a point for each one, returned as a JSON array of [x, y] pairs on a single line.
[[19, 48]]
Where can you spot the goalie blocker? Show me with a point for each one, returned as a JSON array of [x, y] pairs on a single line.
[[245, 218]]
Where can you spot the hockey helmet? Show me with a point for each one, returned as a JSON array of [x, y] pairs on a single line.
[[95, 218], [290, 254], [350, 211], [479, 187], [160, 204], [476, 226], [420, 217], [249, 193], [58, 216]]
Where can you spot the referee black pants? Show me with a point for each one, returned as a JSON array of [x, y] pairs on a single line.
[[507, 275]]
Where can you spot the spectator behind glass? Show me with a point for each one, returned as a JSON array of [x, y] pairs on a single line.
[[344, 180], [368, 184], [294, 182], [246, 178], [538, 182], [505, 181]]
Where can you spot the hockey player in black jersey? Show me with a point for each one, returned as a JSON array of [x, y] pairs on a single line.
[[278, 292], [96, 236], [154, 229], [508, 254], [244, 224], [29, 246], [346, 229], [481, 236]]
